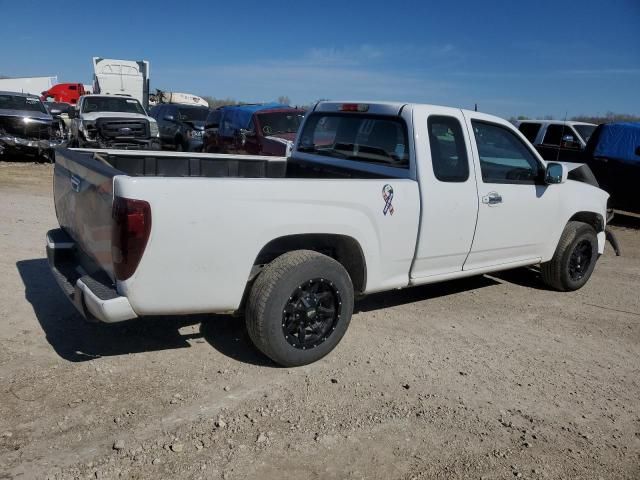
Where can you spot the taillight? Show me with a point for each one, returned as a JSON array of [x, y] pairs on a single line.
[[129, 234]]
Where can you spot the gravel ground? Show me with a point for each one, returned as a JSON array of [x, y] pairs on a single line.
[[491, 377]]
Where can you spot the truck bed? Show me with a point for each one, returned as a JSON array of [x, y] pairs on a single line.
[[141, 163]]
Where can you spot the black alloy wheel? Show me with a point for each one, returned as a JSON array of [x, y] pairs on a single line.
[[311, 314], [580, 260]]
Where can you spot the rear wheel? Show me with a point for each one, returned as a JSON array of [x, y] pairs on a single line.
[[574, 259], [299, 307]]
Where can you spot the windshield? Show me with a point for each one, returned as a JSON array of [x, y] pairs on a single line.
[[197, 114], [112, 104], [18, 102], [280, 122], [585, 131], [368, 138]]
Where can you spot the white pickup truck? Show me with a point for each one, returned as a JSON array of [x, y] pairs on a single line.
[[375, 197]]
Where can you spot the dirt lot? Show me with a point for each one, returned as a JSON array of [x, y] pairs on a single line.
[[492, 377]]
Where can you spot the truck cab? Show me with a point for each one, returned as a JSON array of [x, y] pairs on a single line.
[[64, 93]]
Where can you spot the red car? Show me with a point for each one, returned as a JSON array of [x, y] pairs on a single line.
[[267, 129], [64, 93]]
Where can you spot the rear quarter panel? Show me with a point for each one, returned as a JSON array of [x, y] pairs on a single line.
[[206, 233]]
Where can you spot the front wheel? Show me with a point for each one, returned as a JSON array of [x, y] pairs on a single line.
[[574, 259], [299, 307]]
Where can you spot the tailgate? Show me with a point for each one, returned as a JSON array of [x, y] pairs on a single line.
[[83, 196]]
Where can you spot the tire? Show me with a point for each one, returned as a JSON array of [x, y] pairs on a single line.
[[287, 320], [574, 259]]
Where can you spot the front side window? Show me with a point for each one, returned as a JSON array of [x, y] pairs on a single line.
[[585, 131], [448, 150], [366, 138], [504, 158], [561, 136]]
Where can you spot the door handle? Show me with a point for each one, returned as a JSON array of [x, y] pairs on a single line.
[[492, 198]]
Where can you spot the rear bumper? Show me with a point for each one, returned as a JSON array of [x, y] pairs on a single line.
[[94, 296]]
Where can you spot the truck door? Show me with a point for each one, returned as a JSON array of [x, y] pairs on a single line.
[[516, 210], [448, 192]]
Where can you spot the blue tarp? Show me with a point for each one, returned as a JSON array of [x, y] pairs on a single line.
[[239, 116], [619, 141]]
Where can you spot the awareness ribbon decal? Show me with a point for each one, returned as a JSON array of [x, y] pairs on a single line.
[[387, 194]]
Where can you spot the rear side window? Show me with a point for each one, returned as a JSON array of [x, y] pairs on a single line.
[[530, 130], [504, 157], [367, 138], [73, 87], [448, 150]]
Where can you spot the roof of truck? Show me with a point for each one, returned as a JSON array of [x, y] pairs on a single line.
[[555, 122], [256, 107]]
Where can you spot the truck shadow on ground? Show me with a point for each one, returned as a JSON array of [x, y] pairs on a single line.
[[77, 340], [394, 298]]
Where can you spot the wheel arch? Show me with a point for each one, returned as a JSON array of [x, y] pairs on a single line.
[[344, 249], [590, 218]]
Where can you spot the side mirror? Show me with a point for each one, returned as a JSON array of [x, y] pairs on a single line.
[[555, 173], [569, 141], [244, 133], [169, 118], [73, 113]]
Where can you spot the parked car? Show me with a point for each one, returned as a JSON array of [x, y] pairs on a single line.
[[60, 113], [375, 197], [267, 129], [64, 93], [112, 121], [26, 126], [180, 126], [558, 140], [613, 154]]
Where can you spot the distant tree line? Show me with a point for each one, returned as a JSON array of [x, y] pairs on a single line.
[[597, 119], [282, 99]]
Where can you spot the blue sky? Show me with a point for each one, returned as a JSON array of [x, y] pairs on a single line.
[[510, 57]]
